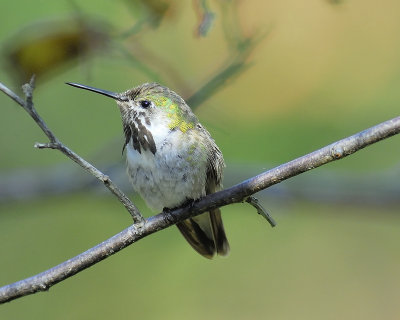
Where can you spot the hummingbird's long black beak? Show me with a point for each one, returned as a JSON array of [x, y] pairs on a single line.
[[115, 96]]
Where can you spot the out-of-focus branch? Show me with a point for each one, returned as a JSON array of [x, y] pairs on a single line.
[[56, 144], [235, 194], [235, 65]]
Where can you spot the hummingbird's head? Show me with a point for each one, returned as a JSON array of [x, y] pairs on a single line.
[[153, 103], [147, 107]]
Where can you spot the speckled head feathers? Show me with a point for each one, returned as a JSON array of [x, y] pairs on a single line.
[[150, 90], [154, 100]]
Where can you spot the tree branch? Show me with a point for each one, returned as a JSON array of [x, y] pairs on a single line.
[[56, 144], [235, 194], [261, 210]]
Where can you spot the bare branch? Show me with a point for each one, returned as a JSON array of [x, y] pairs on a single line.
[[56, 144], [12, 95], [235, 194], [261, 210]]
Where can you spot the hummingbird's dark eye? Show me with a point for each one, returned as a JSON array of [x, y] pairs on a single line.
[[145, 104]]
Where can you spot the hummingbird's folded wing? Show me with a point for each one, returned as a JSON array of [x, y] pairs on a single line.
[[205, 233]]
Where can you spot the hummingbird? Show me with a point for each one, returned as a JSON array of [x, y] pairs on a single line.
[[171, 159]]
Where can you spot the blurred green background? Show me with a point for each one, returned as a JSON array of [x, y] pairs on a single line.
[[299, 75]]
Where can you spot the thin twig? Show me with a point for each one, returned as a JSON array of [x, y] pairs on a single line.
[[56, 144], [335, 151], [261, 210], [12, 95]]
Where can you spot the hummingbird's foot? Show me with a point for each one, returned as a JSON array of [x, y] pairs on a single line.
[[167, 214], [167, 210], [188, 203]]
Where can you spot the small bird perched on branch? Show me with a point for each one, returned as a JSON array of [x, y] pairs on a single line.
[[171, 159]]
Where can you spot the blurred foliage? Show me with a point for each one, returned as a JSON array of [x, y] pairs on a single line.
[[45, 46], [205, 17], [275, 80], [148, 13]]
